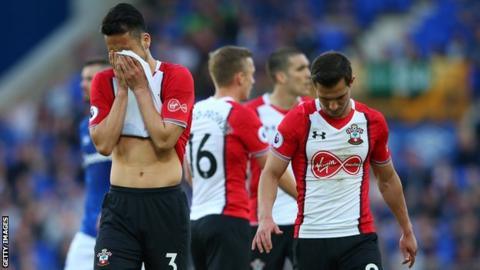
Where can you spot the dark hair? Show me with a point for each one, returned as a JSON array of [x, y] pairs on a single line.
[[279, 60], [225, 62], [96, 61], [330, 67], [121, 19]]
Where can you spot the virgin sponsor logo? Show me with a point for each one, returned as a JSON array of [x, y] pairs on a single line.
[[175, 105], [325, 164]]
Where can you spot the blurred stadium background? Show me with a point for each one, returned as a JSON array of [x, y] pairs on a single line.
[[416, 61]]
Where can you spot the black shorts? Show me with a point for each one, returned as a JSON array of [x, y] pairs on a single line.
[[143, 224], [282, 249], [358, 252], [221, 242]]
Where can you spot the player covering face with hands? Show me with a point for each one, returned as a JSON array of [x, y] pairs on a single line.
[[141, 115], [332, 142]]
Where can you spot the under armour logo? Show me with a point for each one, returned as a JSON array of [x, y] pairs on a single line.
[[315, 134]]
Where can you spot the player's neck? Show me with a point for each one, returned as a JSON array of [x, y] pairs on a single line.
[[227, 92], [152, 63], [283, 99]]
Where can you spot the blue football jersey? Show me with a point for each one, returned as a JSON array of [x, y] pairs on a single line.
[[97, 180]]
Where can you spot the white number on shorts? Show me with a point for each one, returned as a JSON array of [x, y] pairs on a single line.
[[371, 266], [172, 257]]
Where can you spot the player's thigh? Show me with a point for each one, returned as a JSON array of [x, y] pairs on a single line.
[[311, 254], [200, 233], [116, 247], [365, 255], [168, 239], [229, 248], [81, 252]]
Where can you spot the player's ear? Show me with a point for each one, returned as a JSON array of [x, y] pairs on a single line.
[[146, 40], [351, 81], [281, 77], [239, 78]]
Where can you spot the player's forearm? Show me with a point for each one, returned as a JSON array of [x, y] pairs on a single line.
[[392, 193], [287, 184], [161, 137], [267, 192], [105, 135]]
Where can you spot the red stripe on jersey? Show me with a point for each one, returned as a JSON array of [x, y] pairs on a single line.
[[365, 221], [177, 86], [255, 169], [241, 140], [299, 165]]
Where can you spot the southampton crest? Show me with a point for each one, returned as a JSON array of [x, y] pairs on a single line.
[[355, 133]]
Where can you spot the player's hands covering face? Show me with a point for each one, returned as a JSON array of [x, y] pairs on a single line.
[[129, 72]]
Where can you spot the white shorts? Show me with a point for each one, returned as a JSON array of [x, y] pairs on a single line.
[[81, 252]]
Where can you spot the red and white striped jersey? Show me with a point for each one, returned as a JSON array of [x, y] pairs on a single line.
[[285, 207], [331, 159], [173, 87], [224, 134]]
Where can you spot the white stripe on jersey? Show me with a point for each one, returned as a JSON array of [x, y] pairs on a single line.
[[333, 178], [205, 156], [285, 207]]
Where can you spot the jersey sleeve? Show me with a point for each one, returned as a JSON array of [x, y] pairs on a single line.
[[380, 152], [178, 96], [101, 98], [285, 141], [249, 129]]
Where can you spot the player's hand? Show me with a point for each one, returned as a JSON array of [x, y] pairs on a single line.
[[408, 246], [133, 72], [118, 71], [263, 237]]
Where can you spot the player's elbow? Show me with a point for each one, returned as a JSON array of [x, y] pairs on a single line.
[[103, 147], [106, 151], [162, 145]]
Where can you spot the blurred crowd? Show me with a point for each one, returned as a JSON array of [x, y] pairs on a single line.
[[428, 85]]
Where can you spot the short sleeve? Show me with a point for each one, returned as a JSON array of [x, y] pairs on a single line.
[[101, 98], [380, 152], [177, 96], [287, 137], [249, 129]]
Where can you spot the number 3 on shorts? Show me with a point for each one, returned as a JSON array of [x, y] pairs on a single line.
[[172, 257], [371, 266]]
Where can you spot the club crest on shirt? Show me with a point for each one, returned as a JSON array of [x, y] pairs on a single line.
[[103, 257], [277, 140], [355, 133], [175, 105]]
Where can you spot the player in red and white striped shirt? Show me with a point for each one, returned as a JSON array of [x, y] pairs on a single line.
[[224, 135], [289, 70], [332, 142]]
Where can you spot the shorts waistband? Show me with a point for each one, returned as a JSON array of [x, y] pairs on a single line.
[[144, 191]]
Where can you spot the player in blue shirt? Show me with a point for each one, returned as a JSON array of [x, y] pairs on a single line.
[[97, 182]]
